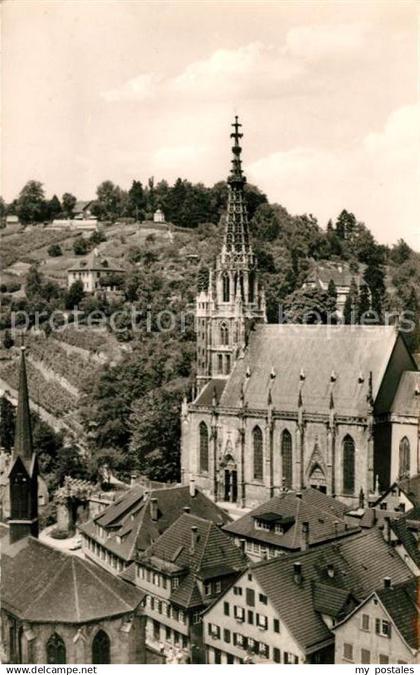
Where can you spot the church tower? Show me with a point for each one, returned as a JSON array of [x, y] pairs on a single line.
[[232, 301], [23, 476]]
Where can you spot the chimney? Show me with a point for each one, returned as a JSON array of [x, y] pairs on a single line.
[[304, 544], [154, 509], [186, 509], [132, 479], [194, 538], [242, 544], [297, 573], [192, 487], [330, 571], [387, 582], [387, 529]]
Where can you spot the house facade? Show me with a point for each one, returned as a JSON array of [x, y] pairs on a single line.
[[96, 273]]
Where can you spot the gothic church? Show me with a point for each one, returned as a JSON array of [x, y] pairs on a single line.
[[288, 406]]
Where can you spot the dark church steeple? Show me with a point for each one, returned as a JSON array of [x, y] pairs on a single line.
[[23, 476], [233, 300]]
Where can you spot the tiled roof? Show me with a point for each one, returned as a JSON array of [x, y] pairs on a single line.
[[331, 600], [215, 386], [43, 584], [401, 527], [129, 523], [358, 561], [214, 554], [325, 515], [96, 262], [346, 353], [340, 274], [407, 401], [402, 602]]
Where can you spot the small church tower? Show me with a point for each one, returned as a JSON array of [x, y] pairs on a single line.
[[232, 301], [23, 475]]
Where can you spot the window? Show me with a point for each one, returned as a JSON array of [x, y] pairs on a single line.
[[262, 525], [226, 609], [217, 656], [204, 447], [348, 465], [101, 648], [365, 622], [250, 616], [168, 632], [156, 630], [239, 613], [218, 587], [220, 363], [226, 287], [228, 364], [251, 287], [262, 621], [224, 334], [56, 649], [287, 459], [348, 651], [404, 458], [237, 590], [207, 589], [257, 438], [383, 658], [383, 627], [214, 631], [263, 598], [276, 625], [196, 617], [276, 655], [226, 635], [365, 656], [250, 597]]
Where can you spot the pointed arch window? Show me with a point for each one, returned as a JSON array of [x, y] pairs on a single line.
[[404, 458], [224, 334], [287, 459], [257, 441], [251, 287], [56, 649], [226, 287], [348, 465], [101, 648], [204, 446]]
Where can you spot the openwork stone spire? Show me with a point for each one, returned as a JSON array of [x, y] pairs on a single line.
[[23, 432], [236, 231]]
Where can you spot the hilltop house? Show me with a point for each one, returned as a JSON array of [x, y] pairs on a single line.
[[283, 610], [338, 272], [96, 272], [83, 210]]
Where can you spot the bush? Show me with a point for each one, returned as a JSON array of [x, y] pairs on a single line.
[[61, 534], [55, 250], [10, 287], [80, 246]]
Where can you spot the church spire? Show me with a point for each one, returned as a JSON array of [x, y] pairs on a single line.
[[23, 475], [23, 431], [236, 229]]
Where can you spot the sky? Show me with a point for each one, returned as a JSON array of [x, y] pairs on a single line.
[[327, 93]]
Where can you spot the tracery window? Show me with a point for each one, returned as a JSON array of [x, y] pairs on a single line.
[[257, 439]]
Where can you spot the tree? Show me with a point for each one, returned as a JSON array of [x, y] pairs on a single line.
[[364, 302], [345, 225], [400, 252], [3, 207], [156, 433], [69, 202], [108, 203], [55, 250], [80, 246], [8, 341], [137, 202], [7, 423], [34, 283], [74, 295], [309, 306], [348, 310], [54, 207], [31, 206]]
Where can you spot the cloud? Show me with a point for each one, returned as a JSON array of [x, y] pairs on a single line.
[[377, 178], [172, 157], [140, 88], [320, 41]]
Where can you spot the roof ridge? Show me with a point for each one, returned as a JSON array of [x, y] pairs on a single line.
[[76, 596]]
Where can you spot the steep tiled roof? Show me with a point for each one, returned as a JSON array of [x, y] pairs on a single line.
[[401, 528], [325, 515], [358, 561], [317, 352], [402, 602], [330, 600], [129, 525], [42, 584], [96, 262], [213, 554], [407, 401], [215, 386]]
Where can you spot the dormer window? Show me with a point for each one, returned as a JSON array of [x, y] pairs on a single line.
[[279, 529], [261, 525]]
